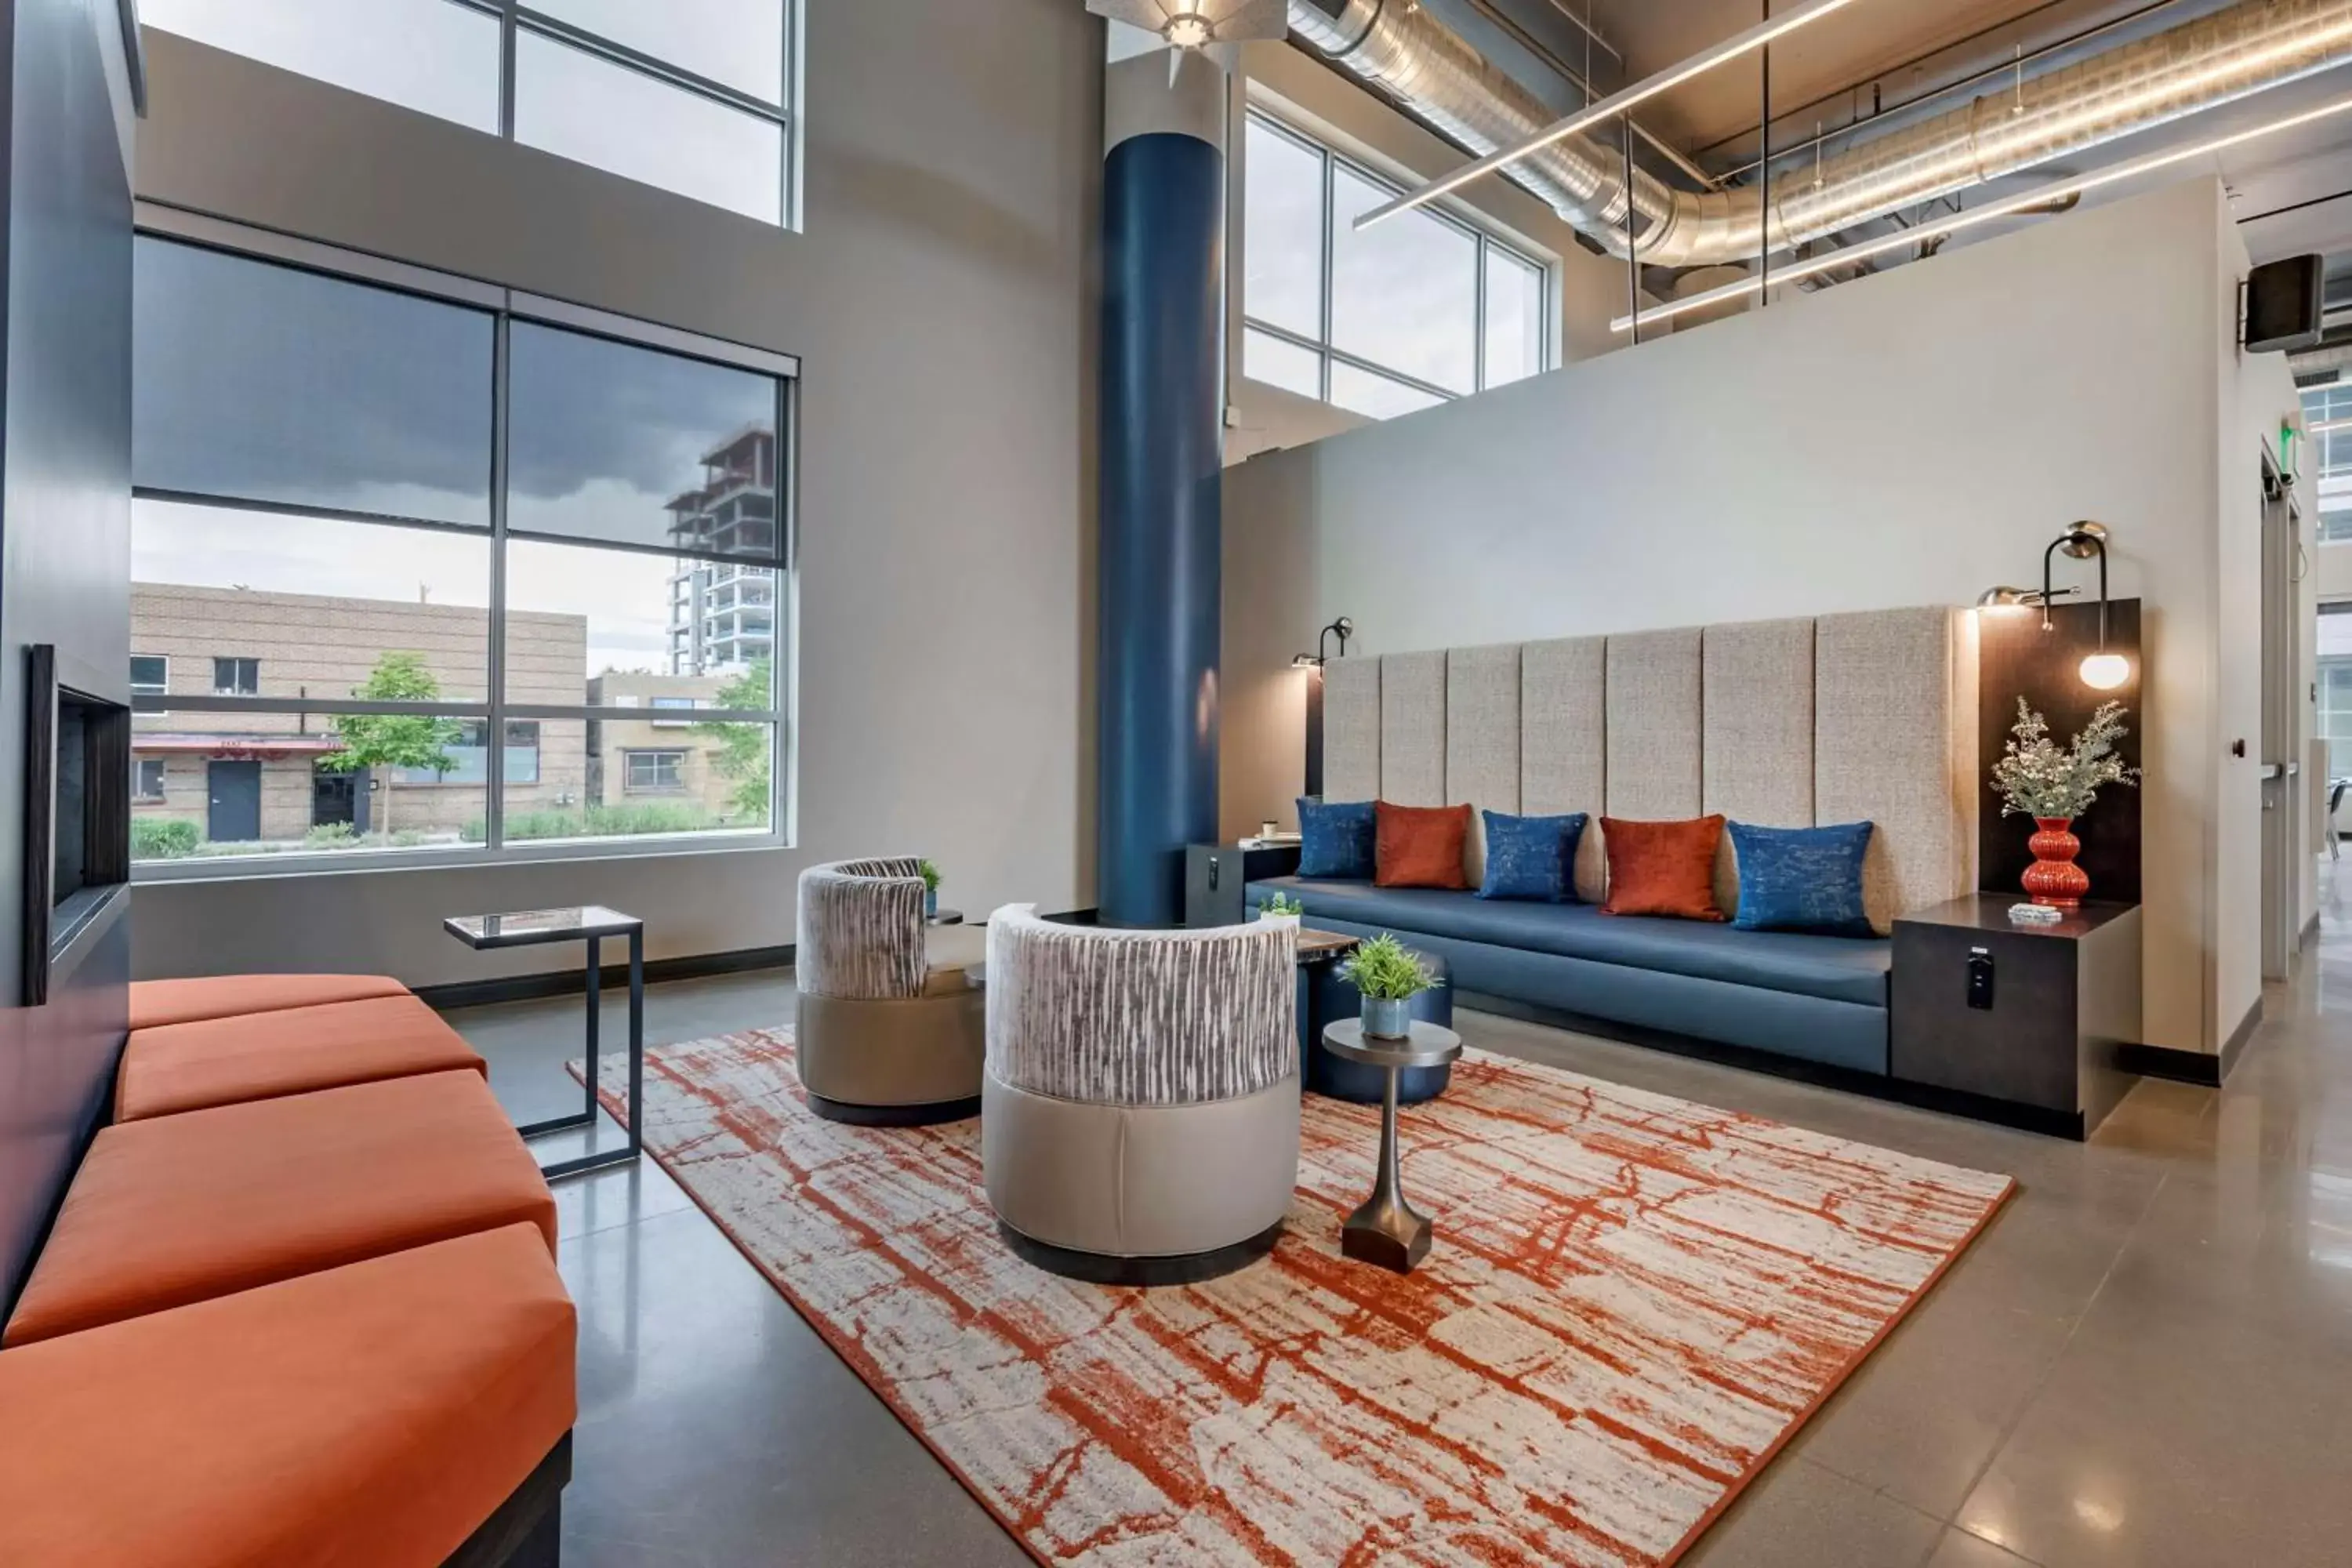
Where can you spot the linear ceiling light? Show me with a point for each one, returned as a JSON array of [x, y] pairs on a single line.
[[1610, 107], [2039, 196], [2325, 426]]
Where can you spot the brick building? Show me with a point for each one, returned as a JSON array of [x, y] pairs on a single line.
[[256, 777], [659, 757]]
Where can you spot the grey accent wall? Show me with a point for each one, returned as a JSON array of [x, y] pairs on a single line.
[[65, 474], [942, 301]]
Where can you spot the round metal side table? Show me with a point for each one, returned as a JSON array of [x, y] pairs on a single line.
[[1386, 1231]]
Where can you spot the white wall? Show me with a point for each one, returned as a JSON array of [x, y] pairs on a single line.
[[1911, 438], [943, 304]]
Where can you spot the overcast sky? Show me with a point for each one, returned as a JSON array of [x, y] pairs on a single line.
[[259, 381]]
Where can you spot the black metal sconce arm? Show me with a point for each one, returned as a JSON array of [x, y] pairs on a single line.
[[2077, 542]]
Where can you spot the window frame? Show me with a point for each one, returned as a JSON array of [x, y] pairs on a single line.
[[631, 755], [515, 19], [139, 766], [236, 663], [2322, 404], [152, 688], [506, 306], [1320, 344]]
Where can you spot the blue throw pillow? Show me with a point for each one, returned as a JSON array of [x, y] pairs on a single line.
[[1802, 879], [1532, 856], [1336, 840]]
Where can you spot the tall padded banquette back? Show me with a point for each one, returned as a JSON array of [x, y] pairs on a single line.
[[1867, 717]]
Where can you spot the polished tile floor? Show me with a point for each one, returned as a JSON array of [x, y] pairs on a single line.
[[2146, 1361]]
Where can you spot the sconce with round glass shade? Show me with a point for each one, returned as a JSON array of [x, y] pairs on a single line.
[[2103, 670], [2106, 671]]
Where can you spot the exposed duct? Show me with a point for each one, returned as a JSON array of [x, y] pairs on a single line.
[[2229, 54], [2330, 359]]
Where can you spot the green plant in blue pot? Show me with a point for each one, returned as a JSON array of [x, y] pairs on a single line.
[[1388, 975], [929, 872]]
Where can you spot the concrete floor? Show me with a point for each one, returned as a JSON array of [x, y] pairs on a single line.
[[2146, 1361]]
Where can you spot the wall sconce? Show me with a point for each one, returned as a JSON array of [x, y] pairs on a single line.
[[2008, 598], [1313, 663], [2101, 671], [1343, 629]]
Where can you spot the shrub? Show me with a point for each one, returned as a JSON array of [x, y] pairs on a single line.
[[602, 822], [330, 835], [163, 838]]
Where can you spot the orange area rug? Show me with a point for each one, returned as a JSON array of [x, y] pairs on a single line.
[[1633, 1303]]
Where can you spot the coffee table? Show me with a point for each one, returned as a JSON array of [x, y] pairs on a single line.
[[590, 923], [1386, 1231]]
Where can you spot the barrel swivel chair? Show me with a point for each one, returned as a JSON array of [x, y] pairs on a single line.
[[1140, 1108], [891, 1024]]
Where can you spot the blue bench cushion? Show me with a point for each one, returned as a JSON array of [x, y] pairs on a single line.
[[1834, 969]]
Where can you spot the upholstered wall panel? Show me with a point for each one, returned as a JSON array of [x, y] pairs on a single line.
[[1886, 685], [1655, 724], [1564, 742], [1758, 723], [1352, 728], [1412, 728], [1482, 738]]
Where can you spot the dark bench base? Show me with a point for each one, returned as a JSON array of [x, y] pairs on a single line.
[[1849, 1080], [527, 1532]]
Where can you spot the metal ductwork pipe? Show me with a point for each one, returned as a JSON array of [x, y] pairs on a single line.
[[2211, 60], [2327, 357]]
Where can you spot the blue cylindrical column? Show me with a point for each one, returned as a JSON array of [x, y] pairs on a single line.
[[1162, 460]]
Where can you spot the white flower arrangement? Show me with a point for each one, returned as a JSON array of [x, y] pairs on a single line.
[[2039, 779]]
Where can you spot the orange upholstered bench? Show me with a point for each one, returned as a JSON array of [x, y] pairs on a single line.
[[408, 1411], [158, 1004], [295, 1050], [185, 1208]]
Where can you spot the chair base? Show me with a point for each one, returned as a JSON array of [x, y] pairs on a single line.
[[929, 1115], [1097, 1269]]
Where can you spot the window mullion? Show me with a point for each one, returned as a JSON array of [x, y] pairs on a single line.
[[494, 763], [507, 9], [1330, 267], [1478, 319]]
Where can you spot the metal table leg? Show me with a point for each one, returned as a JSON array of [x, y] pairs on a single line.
[[1386, 1231], [607, 1158]]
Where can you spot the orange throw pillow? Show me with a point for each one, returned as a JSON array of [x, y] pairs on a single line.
[[1421, 846], [1663, 868]]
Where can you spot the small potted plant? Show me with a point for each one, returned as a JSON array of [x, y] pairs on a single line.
[[1281, 907], [1388, 975], [2054, 785], [929, 872]]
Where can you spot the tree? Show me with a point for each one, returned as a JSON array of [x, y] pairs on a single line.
[[390, 741], [742, 753]]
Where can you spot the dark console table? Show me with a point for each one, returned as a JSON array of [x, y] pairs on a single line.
[[2035, 1017], [590, 924], [1216, 874]]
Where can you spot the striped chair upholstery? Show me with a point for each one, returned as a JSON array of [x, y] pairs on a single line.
[[1140, 1118], [1141, 1017], [877, 1038], [861, 930]]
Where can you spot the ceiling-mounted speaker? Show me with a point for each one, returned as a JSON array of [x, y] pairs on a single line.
[[2284, 303]]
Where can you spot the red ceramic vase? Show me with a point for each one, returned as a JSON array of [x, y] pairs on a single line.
[[2053, 879]]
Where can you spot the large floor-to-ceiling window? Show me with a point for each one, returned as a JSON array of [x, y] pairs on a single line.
[[696, 96], [414, 560], [1385, 321]]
